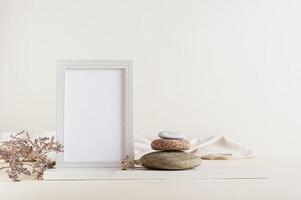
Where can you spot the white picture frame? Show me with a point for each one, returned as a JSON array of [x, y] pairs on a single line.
[[81, 120]]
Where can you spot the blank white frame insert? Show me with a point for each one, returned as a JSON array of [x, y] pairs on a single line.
[[94, 112]]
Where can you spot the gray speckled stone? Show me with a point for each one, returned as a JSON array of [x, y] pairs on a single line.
[[170, 160]]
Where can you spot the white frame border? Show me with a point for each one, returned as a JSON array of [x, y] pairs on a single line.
[[127, 139]]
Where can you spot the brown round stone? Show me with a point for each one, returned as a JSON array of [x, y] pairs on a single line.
[[170, 145]]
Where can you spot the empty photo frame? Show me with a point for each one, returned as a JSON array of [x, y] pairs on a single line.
[[94, 116]]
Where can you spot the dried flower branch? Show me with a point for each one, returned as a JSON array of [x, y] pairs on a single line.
[[21, 152], [128, 163]]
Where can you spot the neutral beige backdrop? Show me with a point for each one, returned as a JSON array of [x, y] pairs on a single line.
[[203, 67]]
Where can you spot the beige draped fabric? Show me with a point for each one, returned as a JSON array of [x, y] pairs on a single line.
[[215, 147]]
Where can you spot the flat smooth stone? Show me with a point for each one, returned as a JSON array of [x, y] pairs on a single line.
[[170, 160], [171, 135], [170, 145]]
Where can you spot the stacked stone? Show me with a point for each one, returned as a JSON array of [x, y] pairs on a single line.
[[170, 154]]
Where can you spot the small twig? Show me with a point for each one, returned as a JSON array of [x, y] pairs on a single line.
[[128, 163], [1, 168]]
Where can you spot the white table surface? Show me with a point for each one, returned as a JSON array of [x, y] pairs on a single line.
[[284, 183]]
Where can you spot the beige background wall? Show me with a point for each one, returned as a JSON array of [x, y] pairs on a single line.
[[204, 67]]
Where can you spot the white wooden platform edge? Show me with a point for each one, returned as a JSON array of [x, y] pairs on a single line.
[[203, 172]]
